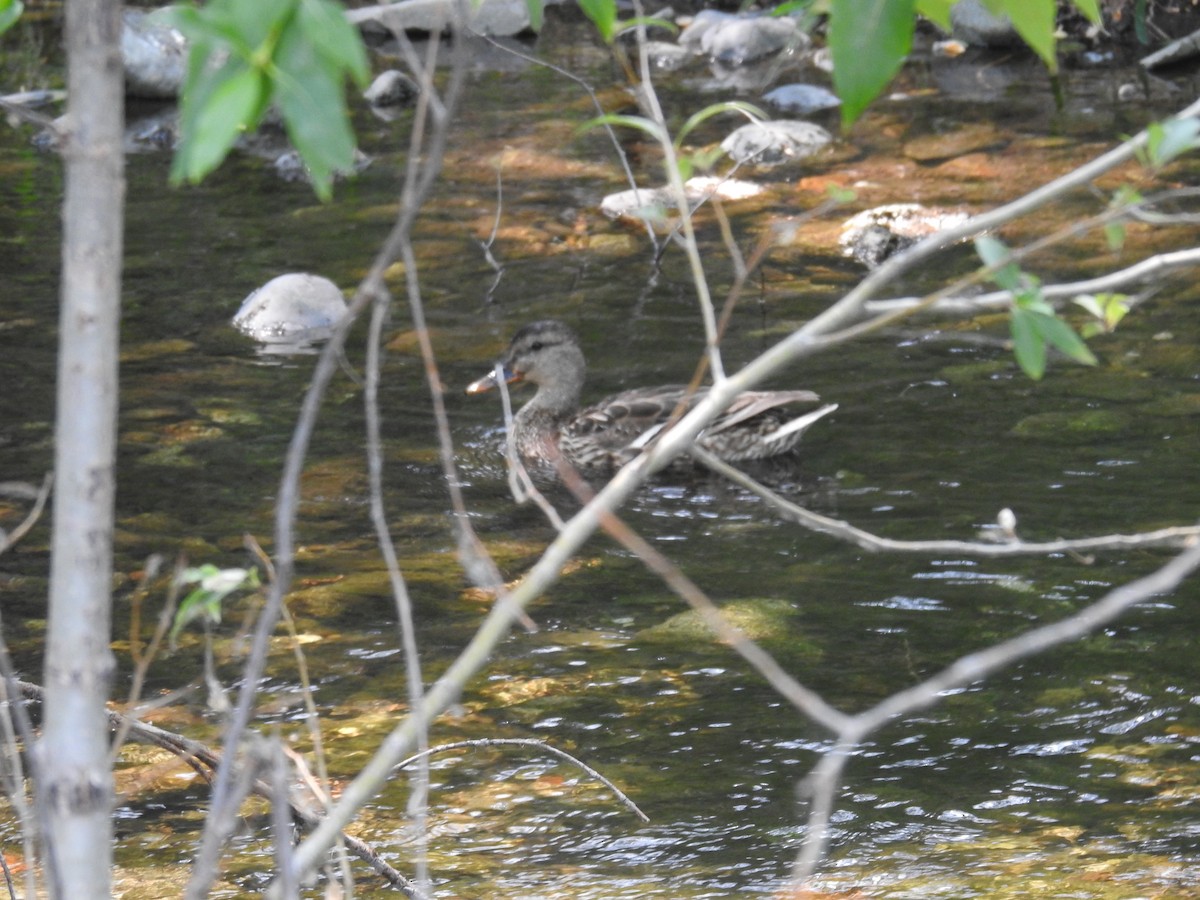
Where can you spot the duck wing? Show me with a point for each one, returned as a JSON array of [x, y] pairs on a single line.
[[751, 404], [623, 418]]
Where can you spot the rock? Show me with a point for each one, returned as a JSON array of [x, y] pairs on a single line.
[[1067, 428], [153, 132], [290, 166], [737, 39], [973, 23], [776, 142], [656, 203], [873, 235], [666, 57], [154, 55], [499, 18], [802, 99], [391, 88], [296, 309]]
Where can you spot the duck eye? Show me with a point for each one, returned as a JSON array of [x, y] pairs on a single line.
[[536, 345]]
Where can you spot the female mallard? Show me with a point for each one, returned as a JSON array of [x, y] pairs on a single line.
[[613, 431]]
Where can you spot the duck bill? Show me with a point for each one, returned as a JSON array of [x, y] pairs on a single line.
[[488, 382]]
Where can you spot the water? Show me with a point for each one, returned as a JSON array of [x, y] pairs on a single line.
[[1070, 775]]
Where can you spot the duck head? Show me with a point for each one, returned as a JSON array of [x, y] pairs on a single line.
[[545, 354]]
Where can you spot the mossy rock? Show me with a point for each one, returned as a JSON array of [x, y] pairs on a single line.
[[1178, 406], [1071, 427], [975, 372], [770, 622]]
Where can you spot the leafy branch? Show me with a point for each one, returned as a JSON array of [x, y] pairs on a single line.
[[245, 58]]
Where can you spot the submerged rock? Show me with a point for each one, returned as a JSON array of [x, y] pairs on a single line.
[[738, 39], [873, 235], [665, 56], [802, 99], [391, 88], [776, 142], [290, 166], [296, 309], [1081, 427], [973, 23]]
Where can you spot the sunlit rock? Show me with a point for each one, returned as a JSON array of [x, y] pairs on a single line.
[[873, 235], [801, 99], [739, 39], [154, 55], [296, 310], [658, 203], [775, 143], [499, 18]]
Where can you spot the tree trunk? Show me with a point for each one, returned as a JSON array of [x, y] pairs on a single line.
[[75, 790]]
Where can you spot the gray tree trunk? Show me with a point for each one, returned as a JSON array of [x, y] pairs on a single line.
[[75, 789]]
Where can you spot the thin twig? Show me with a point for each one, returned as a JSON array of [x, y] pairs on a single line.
[[35, 513], [1176, 536], [1151, 268], [539, 745], [826, 775], [804, 699]]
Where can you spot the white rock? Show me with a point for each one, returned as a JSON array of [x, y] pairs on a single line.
[[499, 18], [154, 55], [656, 203], [776, 142], [297, 308]]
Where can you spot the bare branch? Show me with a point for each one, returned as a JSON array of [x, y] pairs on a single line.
[[825, 776], [538, 745], [39, 503], [1177, 536]]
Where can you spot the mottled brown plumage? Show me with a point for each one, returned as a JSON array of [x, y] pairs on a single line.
[[609, 434]]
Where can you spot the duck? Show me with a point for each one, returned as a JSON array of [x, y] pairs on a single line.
[[607, 435]]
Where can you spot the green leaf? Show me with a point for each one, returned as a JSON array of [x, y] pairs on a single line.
[[749, 110], [260, 22], [213, 585], [1108, 309], [1028, 345], [789, 7], [325, 24], [936, 11], [231, 103], [1034, 21], [838, 194], [996, 255], [603, 14], [536, 14], [311, 98], [1059, 334], [1176, 137], [10, 11], [649, 21], [1090, 9], [869, 40], [1114, 236], [639, 122]]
